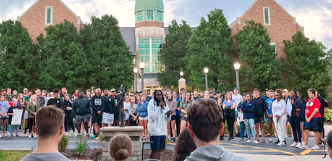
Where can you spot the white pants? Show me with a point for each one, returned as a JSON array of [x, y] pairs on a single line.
[[281, 127]]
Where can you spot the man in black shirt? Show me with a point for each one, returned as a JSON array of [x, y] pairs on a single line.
[[97, 105], [108, 115], [322, 110], [82, 112], [115, 105], [55, 100], [260, 109]]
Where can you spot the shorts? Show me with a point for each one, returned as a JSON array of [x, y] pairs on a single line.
[[313, 125], [288, 118], [259, 120], [184, 119], [321, 125], [301, 120], [236, 114], [96, 118], [26, 115], [269, 120], [157, 142], [108, 118], [173, 117], [142, 118], [80, 119]]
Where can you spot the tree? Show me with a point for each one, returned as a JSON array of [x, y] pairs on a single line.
[[110, 63], [18, 65], [255, 50], [63, 62], [172, 52], [208, 46], [306, 64]]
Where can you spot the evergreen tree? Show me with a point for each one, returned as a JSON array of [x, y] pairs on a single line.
[[208, 46], [18, 67], [63, 62], [172, 52], [110, 61], [255, 51], [306, 64]]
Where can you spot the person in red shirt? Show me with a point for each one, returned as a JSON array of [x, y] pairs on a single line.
[[312, 120]]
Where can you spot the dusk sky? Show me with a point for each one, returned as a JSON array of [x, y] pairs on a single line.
[[314, 15]]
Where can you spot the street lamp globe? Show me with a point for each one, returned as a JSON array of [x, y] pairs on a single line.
[[135, 70], [237, 65], [181, 73], [206, 70], [141, 65]]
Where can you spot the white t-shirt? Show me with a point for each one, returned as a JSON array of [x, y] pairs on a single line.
[[237, 99], [126, 106]]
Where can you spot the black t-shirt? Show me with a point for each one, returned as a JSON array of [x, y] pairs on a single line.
[[56, 102], [11, 110], [323, 104]]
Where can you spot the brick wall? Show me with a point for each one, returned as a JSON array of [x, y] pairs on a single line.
[[34, 19], [282, 24]]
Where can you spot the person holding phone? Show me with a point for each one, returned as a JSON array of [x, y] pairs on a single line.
[[159, 115]]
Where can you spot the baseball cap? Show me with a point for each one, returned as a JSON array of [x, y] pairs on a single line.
[[145, 90], [218, 91], [214, 93], [211, 92], [25, 89], [285, 90], [112, 90], [268, 89], [140, 92]]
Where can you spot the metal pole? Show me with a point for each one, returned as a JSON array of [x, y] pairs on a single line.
[[206, 83], [135, 83], [237, 80], [142, 80]]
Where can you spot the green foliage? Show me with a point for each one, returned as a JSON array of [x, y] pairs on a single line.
[[306, 65], [81, 146], [101, 137], [63, 62], [17, 54], [110, 61], [255, 51], [328, 115], [172, 52], [208, 46], [12, 155], [63, 143]]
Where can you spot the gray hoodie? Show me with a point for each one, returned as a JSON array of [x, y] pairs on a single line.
[[213, 153]]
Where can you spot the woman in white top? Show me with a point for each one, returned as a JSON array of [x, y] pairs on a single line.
[[279, 117], [126, 109]]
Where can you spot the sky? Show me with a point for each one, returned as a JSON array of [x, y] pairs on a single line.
[[314, 15]]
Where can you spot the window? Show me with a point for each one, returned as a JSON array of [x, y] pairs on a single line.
[[159, 16], [48, 15], [139, 16], [266, 11], [273, 47], [149, 49], [149, 14]]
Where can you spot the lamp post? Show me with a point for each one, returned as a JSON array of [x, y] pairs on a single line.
[[141, 66], [135, 83], [181, 74], [206, 71], [237, 68]]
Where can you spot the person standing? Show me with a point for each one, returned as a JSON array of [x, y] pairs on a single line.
[[148, 98], [260, 109], [115, 105], [196, 95], [10, 113], [32, 108], [108, 114], [133, 112], [279, 117], [248, 108], [9, 93], [143, 116], [55, 100], [229, 106], [98, 106], [67, 107], [40, 99], [269, 114], [126, 106], [82, 113], [172, 105], [159, 115], [237, 98], [302, 114], [240, 119], [27, 97], [184, 106], [4, 106], [322, 110], [312, 120], [294, 119], [178, 114]]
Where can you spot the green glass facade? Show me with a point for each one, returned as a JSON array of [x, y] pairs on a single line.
[[149, 15], [149, 49]]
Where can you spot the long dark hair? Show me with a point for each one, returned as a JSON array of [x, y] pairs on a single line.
[[184, 146], [155, 98], [328, 141]]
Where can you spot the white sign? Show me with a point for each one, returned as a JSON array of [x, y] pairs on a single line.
[[17, 118]]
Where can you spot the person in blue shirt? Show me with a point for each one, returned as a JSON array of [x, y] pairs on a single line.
[[267, 93], [229, 106], [143, 116], [269, 115], [148, 98], [248, 109]]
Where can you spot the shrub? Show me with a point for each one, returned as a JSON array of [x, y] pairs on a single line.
[[81, 146], [63, 143], [101, 137], [328, 115]]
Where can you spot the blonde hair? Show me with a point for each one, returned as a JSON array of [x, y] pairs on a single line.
[[33, 97], [120, 147]]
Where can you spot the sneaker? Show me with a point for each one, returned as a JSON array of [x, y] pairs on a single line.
[[304, 147], [5, 135], [315, 147], [222, 138], [282, 143], [248, 140], [270, 140], [240, 139], [294, 144], [11, 136], [277, 142], [256, 142], [36, 136], [147, 139], [29, 136], [169, 139], [67, 133], [232, 139], [97, 138], [87, 135], [17, 137], [32, 135], [174, 140], [298, 145]]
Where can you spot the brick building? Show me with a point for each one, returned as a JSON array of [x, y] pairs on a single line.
[[44, 13], [279, 23]]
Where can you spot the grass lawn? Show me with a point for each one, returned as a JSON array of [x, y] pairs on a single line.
[[12, 155]]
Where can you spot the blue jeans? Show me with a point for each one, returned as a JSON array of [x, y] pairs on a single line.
[[13, 129], [242, 129], [250, 124]]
